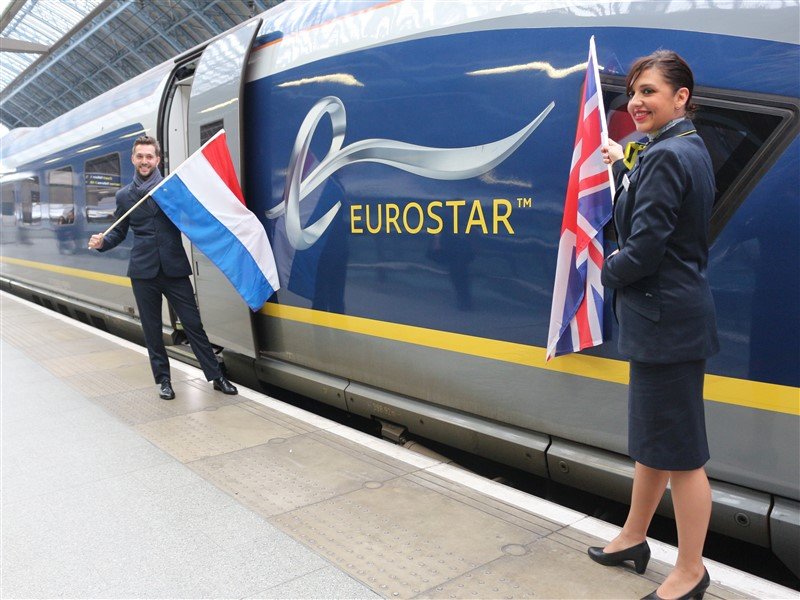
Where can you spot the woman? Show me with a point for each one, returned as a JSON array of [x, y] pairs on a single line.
[[666, 316]]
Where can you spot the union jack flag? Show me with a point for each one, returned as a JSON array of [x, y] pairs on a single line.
[[576, 316]]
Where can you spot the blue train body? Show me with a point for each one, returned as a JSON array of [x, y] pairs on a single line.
[[424, 300]]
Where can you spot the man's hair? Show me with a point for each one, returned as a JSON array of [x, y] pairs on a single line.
[[146, 140]]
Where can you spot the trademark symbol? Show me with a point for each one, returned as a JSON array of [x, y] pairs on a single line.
[[524, 202]]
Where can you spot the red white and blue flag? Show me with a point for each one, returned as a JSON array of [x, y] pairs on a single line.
[[576, 316], [204, 200]]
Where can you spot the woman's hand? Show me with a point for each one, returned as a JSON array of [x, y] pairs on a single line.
[[612, 152]]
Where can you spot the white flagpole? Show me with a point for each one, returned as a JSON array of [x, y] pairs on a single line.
[[602, 109], [123, 217]]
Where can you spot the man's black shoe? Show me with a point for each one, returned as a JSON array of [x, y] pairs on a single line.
[[166, 393], [226, 387]]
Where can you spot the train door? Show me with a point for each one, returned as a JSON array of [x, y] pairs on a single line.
[[174, 140], [215, 100]]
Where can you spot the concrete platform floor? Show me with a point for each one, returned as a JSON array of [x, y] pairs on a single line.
[[110, 492]]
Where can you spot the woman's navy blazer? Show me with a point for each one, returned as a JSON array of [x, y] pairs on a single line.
[[157, 243], [662, 299]]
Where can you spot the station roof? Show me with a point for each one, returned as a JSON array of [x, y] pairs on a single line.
[[58, 54]]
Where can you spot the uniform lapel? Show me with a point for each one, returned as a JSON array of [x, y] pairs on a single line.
[[681, 128]]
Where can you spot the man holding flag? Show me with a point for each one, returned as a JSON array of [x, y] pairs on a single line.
[[576, 316], [158, 266]]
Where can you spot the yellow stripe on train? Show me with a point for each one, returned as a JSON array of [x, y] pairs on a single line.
[[82, 273], [728, 390]]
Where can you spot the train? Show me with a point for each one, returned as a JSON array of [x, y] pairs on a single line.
[[408, 160]]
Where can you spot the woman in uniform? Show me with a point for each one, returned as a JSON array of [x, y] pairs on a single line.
[[667, 324]]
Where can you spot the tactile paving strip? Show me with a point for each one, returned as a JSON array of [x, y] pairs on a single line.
[[364, 454], [89, 363], [287, 473], [402, 538], [27, 331], [294, 425], [73, 348], [144, 405], [656, 572], [209, 433], [102, 383], [548, 570], [512, 514]]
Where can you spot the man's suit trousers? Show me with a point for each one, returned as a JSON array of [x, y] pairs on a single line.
[[179, 293]]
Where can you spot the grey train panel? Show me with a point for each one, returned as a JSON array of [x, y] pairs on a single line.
[[307, 382], [214, 103], [785, 527], [587, 411], [737, 511], [763, 463], [519, 448]]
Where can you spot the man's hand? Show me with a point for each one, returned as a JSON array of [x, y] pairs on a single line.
[[96, 241]]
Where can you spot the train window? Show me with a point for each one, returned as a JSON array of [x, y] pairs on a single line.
[[7, 206], [208, 130], [61, 193], [29, 201], [102, 182], [742, 137], [732, 138]]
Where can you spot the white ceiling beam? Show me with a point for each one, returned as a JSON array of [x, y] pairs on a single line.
[[11, 11], [21, 46]]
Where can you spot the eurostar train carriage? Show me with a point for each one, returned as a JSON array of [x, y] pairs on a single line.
[[409, 161]]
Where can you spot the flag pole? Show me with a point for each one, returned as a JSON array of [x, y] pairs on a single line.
[[123, 217], [160, 183], [601, 108]]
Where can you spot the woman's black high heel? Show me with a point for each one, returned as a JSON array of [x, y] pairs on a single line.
[[696, 593], [639, 554]]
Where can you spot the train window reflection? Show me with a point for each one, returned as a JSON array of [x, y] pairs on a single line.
[[61, 195], [7, 206], [102, 182], [741, 136], [732, 138], [30, 203]]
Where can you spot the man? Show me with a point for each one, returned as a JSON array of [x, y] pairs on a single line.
[[158, 265]]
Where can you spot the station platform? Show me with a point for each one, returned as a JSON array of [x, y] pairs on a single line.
[[110, 492]]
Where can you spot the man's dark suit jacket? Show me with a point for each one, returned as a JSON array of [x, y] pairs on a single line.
[[156, 242], [663, 300]]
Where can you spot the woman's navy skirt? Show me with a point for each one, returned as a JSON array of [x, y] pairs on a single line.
[[666, 416]]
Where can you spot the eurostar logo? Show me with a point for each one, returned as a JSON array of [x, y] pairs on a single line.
[[433, 163]]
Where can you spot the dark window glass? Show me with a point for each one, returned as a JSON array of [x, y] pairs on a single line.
[[733, 137], [102, 182], [61, 191], [29, 201], [7, 197], [208, 130], [735, 133]]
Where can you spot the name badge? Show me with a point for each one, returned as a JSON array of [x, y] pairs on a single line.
[[626, 182]]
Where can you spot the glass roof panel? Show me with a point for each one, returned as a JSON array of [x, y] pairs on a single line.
[[42, 22]]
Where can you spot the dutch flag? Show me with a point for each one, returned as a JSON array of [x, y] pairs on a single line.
[[204, 200]]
